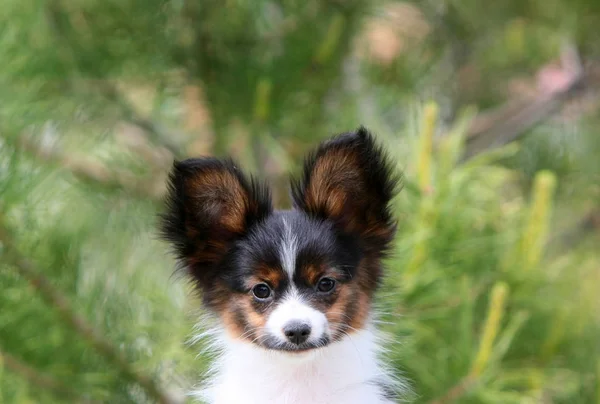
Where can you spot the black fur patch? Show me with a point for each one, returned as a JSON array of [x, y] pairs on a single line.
[[210, 203]]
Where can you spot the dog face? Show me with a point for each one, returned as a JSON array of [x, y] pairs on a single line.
[[286, 280]]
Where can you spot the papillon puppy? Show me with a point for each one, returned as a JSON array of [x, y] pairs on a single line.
[[290, 291]]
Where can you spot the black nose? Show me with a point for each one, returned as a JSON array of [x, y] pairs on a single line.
[[297, 332]]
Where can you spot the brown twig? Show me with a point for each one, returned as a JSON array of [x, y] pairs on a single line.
[[512, 120], [459, 390], [78, 323], [509, 123], [571, 237], [41, 380]]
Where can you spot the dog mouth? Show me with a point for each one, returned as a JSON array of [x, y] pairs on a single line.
[[275, 344]]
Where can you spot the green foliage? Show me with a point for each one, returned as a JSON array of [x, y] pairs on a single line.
[[101, 254], [485, 300], [471, 241]]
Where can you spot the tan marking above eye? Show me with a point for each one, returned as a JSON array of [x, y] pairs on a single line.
[[263, 273], [312, 273]]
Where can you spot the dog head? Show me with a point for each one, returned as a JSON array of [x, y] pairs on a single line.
[[286, 280]]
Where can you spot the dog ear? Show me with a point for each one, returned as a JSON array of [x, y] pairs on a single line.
[[210, 203], [350, 181]]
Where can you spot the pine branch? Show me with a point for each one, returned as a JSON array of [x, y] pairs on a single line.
[[41, 380], [58, 20], [155, 134], [78, 323], [92, 171]]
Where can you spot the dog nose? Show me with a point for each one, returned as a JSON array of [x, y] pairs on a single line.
[[297, 332]]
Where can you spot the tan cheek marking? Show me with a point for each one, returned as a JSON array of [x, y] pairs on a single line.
[[255, 320], [241, 320], [336, 314], [359, 319], [363, 287], [351, 308], [230, 317]]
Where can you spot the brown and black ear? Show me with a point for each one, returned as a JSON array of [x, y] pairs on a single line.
[[350, 181], [210, 203]]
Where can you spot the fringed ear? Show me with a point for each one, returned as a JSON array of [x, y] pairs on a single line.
[[210, 203], [350, 181]]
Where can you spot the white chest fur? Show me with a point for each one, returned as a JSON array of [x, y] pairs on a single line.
[[345, 372]]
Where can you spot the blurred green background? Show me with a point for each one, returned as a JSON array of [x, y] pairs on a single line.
[[492, 109]]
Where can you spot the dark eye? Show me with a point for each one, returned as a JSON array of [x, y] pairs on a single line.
[[261, 291], [325, 285]]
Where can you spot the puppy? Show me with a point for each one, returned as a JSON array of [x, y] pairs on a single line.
[[290, 292]]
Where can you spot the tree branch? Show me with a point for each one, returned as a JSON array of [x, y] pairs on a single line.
[[513, 119], [571, 237], [57, 18], [155, 134], [78, 323], [41, 380], [93, 171]]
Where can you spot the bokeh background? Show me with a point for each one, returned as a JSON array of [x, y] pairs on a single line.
[[491, 109]]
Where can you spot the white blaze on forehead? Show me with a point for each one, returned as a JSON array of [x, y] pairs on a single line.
[[293, 309], [289, 249]]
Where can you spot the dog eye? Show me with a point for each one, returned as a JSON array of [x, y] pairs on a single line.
[[325, 285], [261, 291]]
